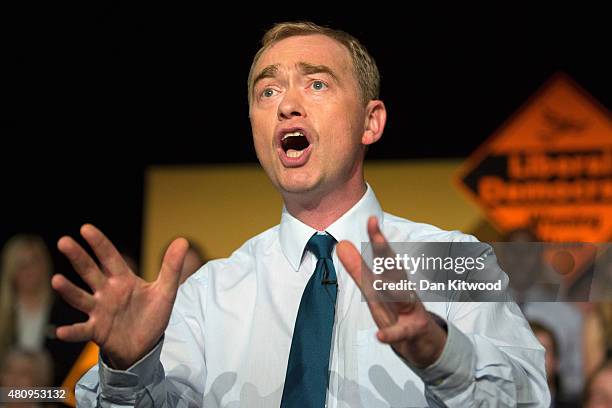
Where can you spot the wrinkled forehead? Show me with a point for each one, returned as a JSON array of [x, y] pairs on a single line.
[[315, 49]]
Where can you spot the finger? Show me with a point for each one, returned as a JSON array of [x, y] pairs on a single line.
[[361, 274], [75, 332], [382, 313], [379, 243], [382, 249], [351, 259], [400, 330], [172, 264], [395, 333], [106, 252], [81, 262], [75, 296], [357, 268], [374, 231]]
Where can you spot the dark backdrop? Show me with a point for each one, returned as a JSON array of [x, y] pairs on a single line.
[[93, 95]]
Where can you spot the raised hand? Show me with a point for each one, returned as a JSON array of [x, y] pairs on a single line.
[[127, 315], [400, 316]]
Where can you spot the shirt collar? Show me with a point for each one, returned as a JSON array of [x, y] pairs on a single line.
[[351, 226]]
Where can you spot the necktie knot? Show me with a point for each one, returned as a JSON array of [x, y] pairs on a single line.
[[321, 245]]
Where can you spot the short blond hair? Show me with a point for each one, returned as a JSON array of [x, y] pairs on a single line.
[[365, 69]]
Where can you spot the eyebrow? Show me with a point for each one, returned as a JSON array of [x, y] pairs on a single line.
[[305, 69], [310, 69], [268, 72]]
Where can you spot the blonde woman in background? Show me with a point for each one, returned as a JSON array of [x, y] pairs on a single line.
[[29, 311], [26, 298], [597, 337]]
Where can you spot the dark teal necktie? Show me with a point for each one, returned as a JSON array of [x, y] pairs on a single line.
[[308, 369]]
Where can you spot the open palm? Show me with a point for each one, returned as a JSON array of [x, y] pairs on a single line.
[[127, 315]]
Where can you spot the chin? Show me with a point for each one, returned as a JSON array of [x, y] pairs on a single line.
[[298, 183]]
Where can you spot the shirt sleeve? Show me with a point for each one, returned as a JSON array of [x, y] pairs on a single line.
[[171, 375], [491, 357], [492, 367]]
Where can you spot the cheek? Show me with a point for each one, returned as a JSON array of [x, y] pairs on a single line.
[[21, 282], [263, 132], [346, 125], [550, 363], [31, 277], [258, 142], [345, 141], [262, 150]]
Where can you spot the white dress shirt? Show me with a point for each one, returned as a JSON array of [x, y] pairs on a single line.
[[229, 336]]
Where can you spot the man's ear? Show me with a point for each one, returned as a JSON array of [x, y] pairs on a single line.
[[375, 119]]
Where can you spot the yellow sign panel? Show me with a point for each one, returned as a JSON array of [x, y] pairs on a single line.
[[548, 168]]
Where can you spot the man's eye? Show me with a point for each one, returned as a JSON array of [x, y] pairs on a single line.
[[319, 85], [268, 93]]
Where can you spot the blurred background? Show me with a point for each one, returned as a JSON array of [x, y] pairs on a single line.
[[135, 118]]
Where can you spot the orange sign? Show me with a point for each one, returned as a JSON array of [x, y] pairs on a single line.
[[549, 167], [87, 359]]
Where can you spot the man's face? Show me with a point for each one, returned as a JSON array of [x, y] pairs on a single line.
[[307, 114], [550, 361]]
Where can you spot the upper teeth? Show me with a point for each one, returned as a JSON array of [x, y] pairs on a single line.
[[292, 134]]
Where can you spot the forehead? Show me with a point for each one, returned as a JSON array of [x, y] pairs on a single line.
[[314, 49], [26, 251]]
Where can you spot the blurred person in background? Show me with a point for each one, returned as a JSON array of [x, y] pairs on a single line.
[[29, 311], [21, 369], [597, 337], [522, 258], [599, 388], [524, 263], [26, 292], [547, 338]]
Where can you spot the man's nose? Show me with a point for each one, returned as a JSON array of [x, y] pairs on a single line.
[[290, 106]]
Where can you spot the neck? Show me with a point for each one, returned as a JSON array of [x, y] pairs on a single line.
[[319, 209]]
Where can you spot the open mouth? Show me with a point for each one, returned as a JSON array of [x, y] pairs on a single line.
[[294, 144]]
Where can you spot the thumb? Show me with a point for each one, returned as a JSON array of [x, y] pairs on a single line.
[[172, 264]]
